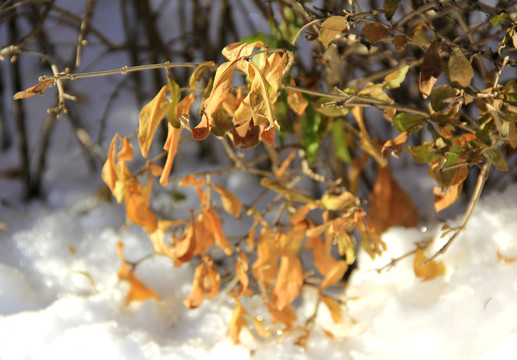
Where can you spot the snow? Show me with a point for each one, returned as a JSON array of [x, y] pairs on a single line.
[[60, 295]]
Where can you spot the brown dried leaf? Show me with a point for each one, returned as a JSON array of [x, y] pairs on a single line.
[[150, 117], [286, 316], [399, 42], [33, 90], [288, 282], [431, 69], [443, 198], [430, 270], [171, 146], [374, 31], [138, 291], [231, 203], [137, 199], [265, 267], [214, 224], [389, 204], [395, 145], [335, 274]]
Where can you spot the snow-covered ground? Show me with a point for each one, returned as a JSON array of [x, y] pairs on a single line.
[[60, 297]]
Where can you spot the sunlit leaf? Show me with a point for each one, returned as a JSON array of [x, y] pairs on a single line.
[[171, 146], [396, 145], [334, 275], [340, 201], [237, 322], [296, 101], [374, 31], [217, 231], [429, 271], [460, 69], [150, 117], [332, 27], [289, 281], [396, 78], [334, 308], [265, 267], [408, 122], [231, 202], [221, 87], [175, 95], [389, 205], [137, 199], [138, 291], [286, 316], [197, 74], [33, 90], [431, 69]]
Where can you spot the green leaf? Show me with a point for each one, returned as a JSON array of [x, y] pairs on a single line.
[[396, 78], [460, 69], [310, 123], [175, 91], [321, 106], [423, 153], [408, 122], [497, 158], [498, 19], [339, 139], [439, 94]]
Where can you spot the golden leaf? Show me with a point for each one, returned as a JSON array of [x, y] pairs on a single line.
[[214, 224], [138, 291], [231, 203], [334, 308], [289, 281], [264, 268], [389, 205], [296, 101], [150, 116], [171, 146], [137, 199], [33, 90], [334, 275], [395, 145], [237, 321], [430, 270], [241, 269], [286, 316]]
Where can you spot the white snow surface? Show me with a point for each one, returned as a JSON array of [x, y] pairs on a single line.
[[51, 310]]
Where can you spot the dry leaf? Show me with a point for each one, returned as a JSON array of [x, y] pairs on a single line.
[[334, 275], [137, 200], [237, 321], [374, 31], [231, 203], [332, 27], [396, 145], [431, 69], [33, 90], [334, 308], [214, 224], [138, 291], [460, 69], [150, 117], [205, 284], [264, 268], [296, 101], [241, 269], [366, 142], [286, 316], [389, 204], [430, 270], [171, 146], [288, 282], [443, 198]]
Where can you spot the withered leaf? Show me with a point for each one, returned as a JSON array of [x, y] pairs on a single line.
[[237, 321], [171, 146], [33, 90], [334, 275], [431, 69], [374, 31], [389, 204], [430, 270], [395, 145], [231, 202], [445, 197], [460, 69], [138, 291], [296, 101], [332, 27], [150, 117], [289, 281], [334, 308], [390, 7]]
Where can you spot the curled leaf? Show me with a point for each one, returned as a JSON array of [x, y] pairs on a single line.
[[237, 321], [33, 90], [150, 116]]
